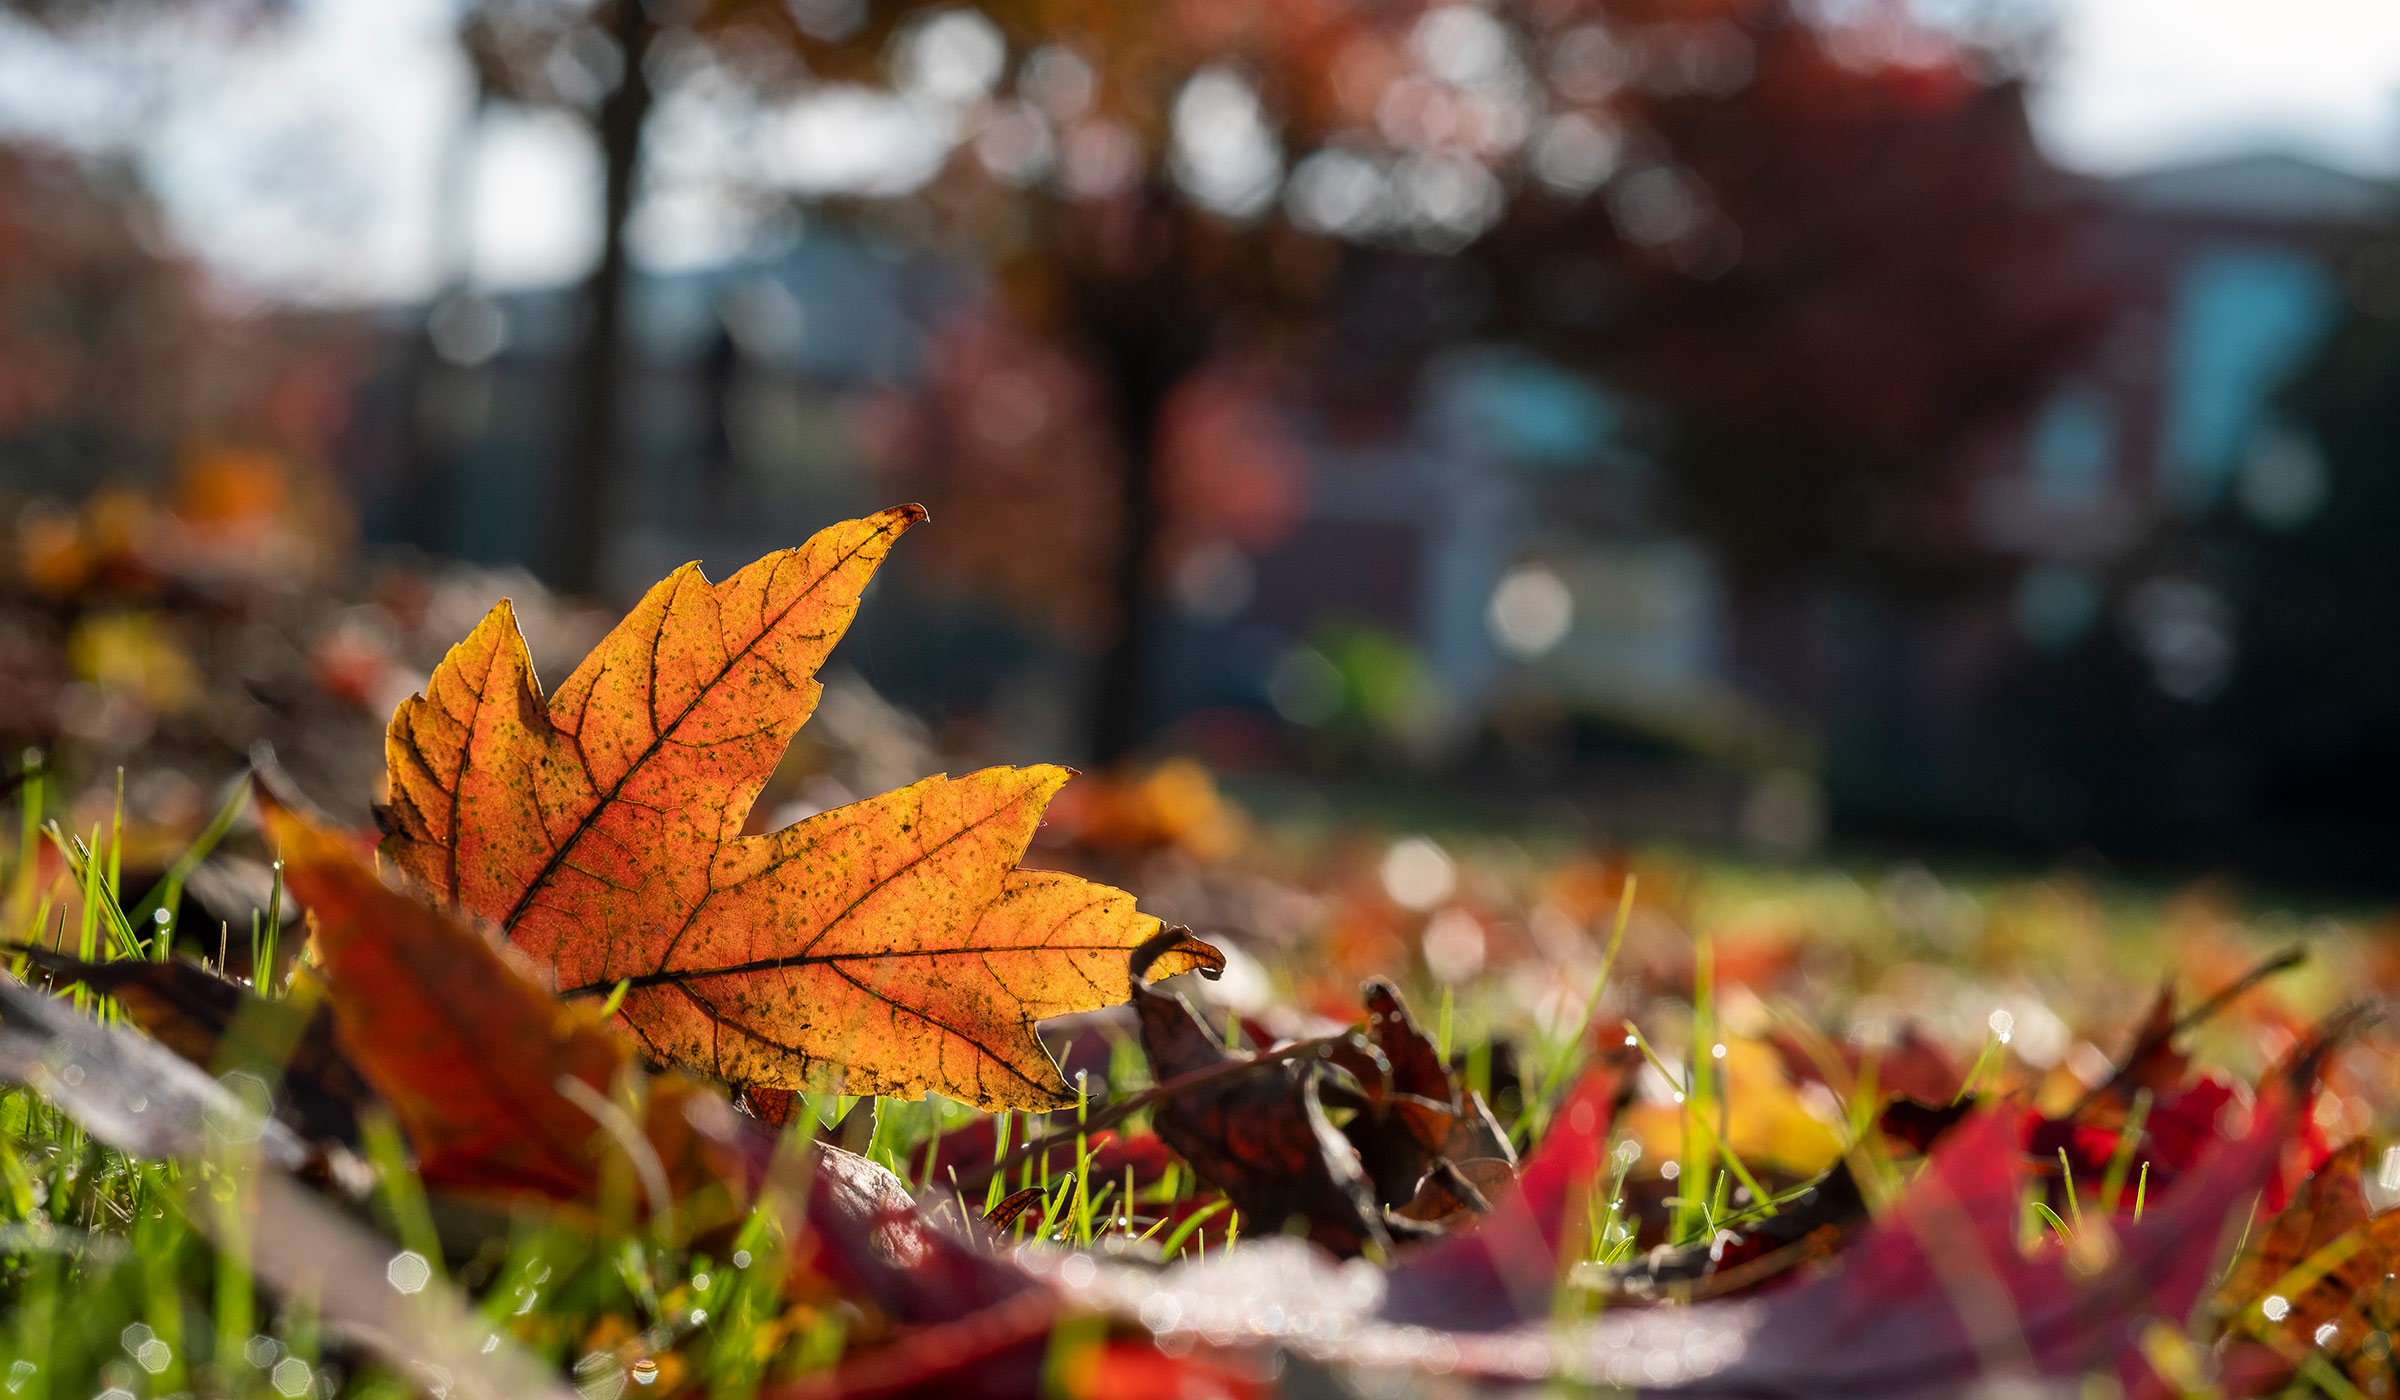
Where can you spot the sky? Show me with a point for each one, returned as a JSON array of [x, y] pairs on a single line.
[[2144, 82], [307, 161]]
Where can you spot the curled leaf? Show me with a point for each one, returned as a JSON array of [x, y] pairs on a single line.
[[1261, 1137]]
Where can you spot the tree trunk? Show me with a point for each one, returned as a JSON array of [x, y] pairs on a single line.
[[583, 475], [428, 458], [1121, 698], [1152, 337]]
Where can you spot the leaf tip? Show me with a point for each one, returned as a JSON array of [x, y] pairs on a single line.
[[1171, 950], [287, 817]]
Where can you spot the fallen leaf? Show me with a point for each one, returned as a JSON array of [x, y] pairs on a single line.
[[2155, 1062], [222, 1027], [2182, 1115], [1506, 1269], [1933, 1300], [498, 1087], [1406, 1106], [142, 1099], [891, 945], [1935, 1297], [2318, 1278], [1260, 1137]]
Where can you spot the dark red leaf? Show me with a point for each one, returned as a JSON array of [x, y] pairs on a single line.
[[1505, 1271], [1936, 1297], [1262, 1138]]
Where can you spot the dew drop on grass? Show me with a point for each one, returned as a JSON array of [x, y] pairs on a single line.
[[599, 1376], [290, 1377], [408, 1272]]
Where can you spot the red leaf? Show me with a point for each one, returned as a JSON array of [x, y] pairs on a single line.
[[1504, 1272], [1935, 1296]]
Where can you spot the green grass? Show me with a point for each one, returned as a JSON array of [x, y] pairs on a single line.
[[109, 1279]]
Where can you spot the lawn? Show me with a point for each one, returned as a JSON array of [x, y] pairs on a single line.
[[1811, 992], [645, 1051]]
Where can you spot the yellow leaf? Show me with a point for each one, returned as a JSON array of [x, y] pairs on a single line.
[[890, 945]]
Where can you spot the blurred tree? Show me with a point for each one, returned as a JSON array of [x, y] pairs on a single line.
[[1836, 254], [593, 60], [96, 329], [1819, 233], [114, 368], [2303, 550]]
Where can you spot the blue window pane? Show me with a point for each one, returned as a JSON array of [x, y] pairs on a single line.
[[2245, 319]]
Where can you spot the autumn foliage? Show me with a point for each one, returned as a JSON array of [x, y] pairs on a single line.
[[568, 988], [601, 830]]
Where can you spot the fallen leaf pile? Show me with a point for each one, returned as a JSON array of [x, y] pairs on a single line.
[[577, 992]]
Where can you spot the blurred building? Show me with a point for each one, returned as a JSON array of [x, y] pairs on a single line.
[[736, 379], [1497, 585], [2227, 276], [2087, 703]]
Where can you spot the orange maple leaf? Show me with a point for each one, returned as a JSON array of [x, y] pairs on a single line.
[[891, 946]]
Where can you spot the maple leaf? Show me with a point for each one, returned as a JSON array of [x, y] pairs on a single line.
[[891, 945]]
